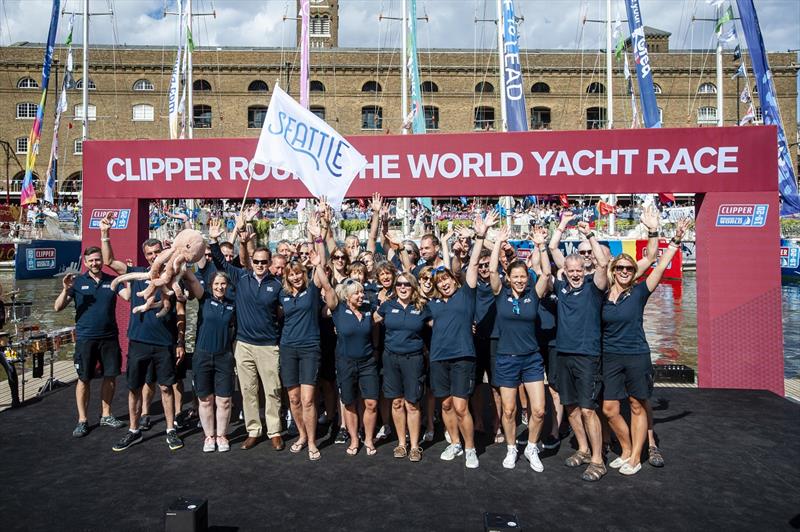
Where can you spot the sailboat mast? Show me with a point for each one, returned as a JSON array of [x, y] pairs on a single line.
[[85, 69], [612, 219], [720, 113], [189, 84], [501, 65]]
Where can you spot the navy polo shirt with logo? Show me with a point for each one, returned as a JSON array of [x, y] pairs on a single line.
[[145, 327], [301, 317], [623, 323], [353, 336], [215, 325], [95, 306], [205, 277], [517, 331], [452, 325], [404, 326], [579, 310]]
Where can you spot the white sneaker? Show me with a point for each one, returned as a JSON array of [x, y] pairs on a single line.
[[447, 436], [472, 459], [384, 433], [451, 451], [223, 445], [532, 454], [209, 444], [428, 436], [510, 461]]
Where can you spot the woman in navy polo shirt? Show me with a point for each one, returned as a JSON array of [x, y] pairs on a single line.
[[452, 348], [627, 368], [519, 360], [212, 362], [356, 368], [405, 317]]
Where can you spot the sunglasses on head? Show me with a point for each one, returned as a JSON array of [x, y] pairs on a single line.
[[437, 270], [585, 252], [261, 262], [624, 268]]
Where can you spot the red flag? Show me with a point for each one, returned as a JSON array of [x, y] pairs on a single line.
[[605, 208], [361, 202], [564, 200], [663, 197]]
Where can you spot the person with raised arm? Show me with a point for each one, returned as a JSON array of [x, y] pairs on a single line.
[[518, 358], [452, 348], [627, 368]]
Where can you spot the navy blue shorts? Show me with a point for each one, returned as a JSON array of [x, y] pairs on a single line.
[[403, 376], [627, 376], [90, 351], [513, 370], [454, 377], [299, 365], [550, 357], [212, 374], [141, 355], [182, 368], [579, 380], [354, 375]]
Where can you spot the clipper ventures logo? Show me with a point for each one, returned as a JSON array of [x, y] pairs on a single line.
[[304, 138], [742, 215], [119, 221], [40, 258]]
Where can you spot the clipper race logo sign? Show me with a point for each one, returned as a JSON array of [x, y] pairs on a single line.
[[40, 258], [119, 221], [752, 215]]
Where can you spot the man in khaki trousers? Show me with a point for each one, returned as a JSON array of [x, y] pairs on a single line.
[[257, 336]]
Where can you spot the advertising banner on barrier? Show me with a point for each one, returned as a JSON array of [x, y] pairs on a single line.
[[45, 258]]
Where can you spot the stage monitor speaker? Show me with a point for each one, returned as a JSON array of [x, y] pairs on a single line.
[[187, 514], [493, 522]]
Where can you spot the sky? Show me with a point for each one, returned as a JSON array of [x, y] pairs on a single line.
[[553, 24]]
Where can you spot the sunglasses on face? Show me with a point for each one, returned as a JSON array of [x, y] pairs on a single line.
[[338, 257], [483, 265], [403, 284], [208, 254], [585, 252], [622, 268], [304, 254], [260, 262]]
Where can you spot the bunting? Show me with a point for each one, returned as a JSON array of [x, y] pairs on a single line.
[[51, 177], [749, 116], [726, 16]]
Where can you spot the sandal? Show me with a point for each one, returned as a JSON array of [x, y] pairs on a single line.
[[415, 455], [578, 458], [655, 459], [594, 472], [351, 451], [399, 452], [314, 455], [371, 451], [297, 446]]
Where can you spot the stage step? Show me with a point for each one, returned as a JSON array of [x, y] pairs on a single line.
[[63, 370]]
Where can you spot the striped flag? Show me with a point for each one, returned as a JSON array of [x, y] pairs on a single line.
[[52, 166]]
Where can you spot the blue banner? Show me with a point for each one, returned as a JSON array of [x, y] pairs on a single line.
[[644, 70], [516, 114], [42, 259], [418, 122], [787, 182]]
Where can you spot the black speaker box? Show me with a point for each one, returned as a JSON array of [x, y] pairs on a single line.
[[187, 514]]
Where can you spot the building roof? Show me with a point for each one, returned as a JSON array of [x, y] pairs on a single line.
[[655, 32]]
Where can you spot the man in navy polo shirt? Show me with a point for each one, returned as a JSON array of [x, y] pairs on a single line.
[[96, 331]]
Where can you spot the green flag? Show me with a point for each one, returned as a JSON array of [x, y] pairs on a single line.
[[620, 47], [727, 16], [189, 41], [69, 37]]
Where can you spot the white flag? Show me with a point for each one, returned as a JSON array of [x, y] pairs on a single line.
[[296, 140]]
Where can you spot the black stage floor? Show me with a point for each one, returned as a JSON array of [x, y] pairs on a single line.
[[733, 459]]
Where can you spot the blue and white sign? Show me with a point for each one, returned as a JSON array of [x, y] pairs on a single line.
[[119, 221], [516, 111], [742, 215], [790, 257]]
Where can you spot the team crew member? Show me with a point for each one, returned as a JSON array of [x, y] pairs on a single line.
[[453, 351], [485, 347], [627, 368], [405, 317], [356, 368], [96, 331], [580, 298], [429, 248], [518, 358], [426, 291], [256, 351], [212, 362]]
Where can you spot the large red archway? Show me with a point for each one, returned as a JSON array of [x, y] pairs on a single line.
[[733, 171]]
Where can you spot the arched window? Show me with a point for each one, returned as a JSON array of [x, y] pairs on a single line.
[[73, 183], [201, 85], [79, 84], [258, 86], [656, 88], [318, 110], [484, 87], [540, 87], [326, 25], [79, 112], [484, 118], [143, 85], [26, 110], [707, 88], [143, 113], [27, 83], [320, 26], [596, 88], [429, 86], [316, 86], [256, 115], [202, 116], [596, 118], [22, 145], [371, 117], [431, 117], [540, 118], [371, 86], [707, 115]]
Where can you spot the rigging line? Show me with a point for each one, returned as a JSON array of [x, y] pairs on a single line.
[[218, 92], [377, 73], [283, 41], [430, 97], [114, 45], [706, 56]]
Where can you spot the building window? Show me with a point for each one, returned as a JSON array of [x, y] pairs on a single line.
[[79, 84], [201, 85], [429, 86], [759, 116], [540, 118], [316, 86], [484, 118], [596, 88], [484, 87], [661, 115], [707, 88], [255, 116], [371, 86], [202, 116], [22, 144], [320, 26], [78, 147], [319, 111], [27, 83], [143, 85], [371, 117], [143, 113], [258, 86], [431, 117], [73, 183], [596, 118], [79, 112], [540, 87], [707, 116], [26, 110], [656, 88]]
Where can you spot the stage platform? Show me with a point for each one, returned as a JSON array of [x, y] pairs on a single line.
[[731, 456]]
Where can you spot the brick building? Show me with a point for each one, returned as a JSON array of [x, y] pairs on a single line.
[[356, 90]]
